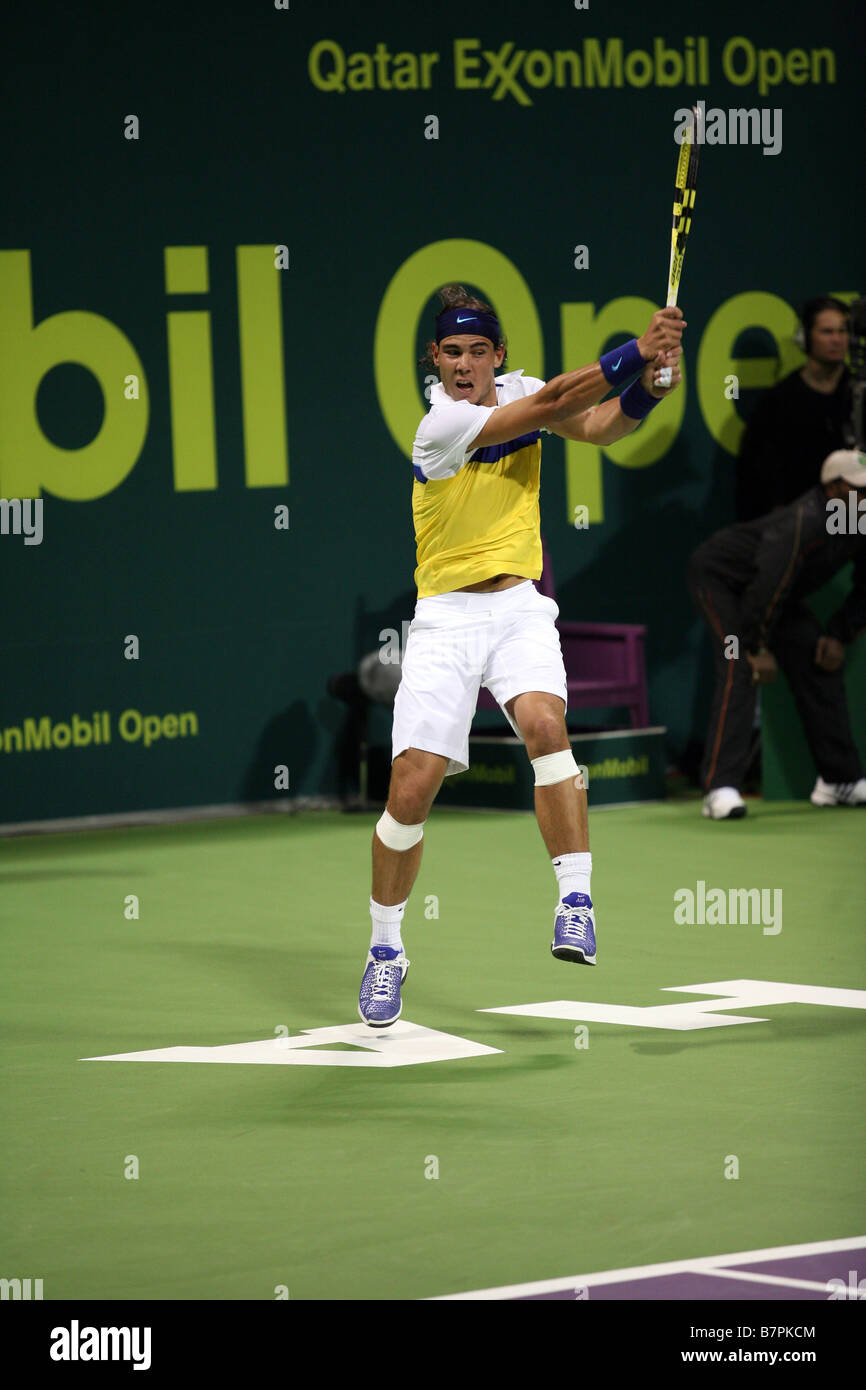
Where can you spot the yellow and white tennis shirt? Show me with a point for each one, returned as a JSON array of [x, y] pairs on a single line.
[[475, 512]]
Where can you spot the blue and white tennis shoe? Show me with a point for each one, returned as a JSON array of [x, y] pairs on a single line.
[[574, 930], [379, 1003]]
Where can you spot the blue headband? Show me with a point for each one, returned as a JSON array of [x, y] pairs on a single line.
[[452, 321]]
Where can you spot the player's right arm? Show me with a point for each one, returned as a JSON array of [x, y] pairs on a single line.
[[573, 392]]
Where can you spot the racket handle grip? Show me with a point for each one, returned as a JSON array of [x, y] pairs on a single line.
[[663, 376]]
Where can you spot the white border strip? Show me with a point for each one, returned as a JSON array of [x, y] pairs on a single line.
[[218, 811], [285, 805], [745, 1276], [529, 811], [705, 1264], [483, 736]]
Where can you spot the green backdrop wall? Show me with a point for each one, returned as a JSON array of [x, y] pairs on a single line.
[[222, 233]]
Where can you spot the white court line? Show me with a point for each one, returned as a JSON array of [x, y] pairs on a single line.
[[764, 1279], [706, 1264]]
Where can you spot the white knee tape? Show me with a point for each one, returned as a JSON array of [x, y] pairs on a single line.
[[555, 767], [397, 836]]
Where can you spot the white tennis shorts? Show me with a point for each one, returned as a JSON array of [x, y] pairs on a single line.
[[505, 640]]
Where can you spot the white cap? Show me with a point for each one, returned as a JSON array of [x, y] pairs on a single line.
[[847, 464]]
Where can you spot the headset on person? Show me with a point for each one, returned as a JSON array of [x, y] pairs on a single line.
[[855, 323], [811, 309]]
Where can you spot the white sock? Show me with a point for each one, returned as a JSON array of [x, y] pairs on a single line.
[[386, 924], [573, 873]]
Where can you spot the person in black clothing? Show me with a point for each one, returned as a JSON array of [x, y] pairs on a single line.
[[799, 422], [749, 582]]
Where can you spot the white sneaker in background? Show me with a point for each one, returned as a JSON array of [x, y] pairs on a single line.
[[839, 793], [724, 803]]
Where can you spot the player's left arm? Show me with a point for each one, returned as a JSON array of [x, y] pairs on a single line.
[[605, 423]]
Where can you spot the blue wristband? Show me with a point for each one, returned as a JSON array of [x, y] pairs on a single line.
[[637, 403], [622, 363]]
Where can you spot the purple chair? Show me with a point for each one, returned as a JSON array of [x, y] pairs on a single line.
[[604, 662]]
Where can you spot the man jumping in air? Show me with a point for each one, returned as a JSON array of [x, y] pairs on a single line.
[[479, 619]]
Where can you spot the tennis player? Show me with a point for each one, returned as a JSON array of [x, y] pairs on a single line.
[[479, 619]]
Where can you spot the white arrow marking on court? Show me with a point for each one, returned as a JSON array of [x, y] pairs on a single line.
[[738, 994], [404, 1044]]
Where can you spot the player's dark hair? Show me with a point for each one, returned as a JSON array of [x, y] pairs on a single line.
[[812, 308], [458, 297]]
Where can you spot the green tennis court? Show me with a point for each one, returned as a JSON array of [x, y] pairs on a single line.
[[570, 1147]]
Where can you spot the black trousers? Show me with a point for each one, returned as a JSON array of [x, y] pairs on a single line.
[[819, 695]]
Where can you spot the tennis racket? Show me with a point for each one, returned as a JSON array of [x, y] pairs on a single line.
[[684, 202]]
